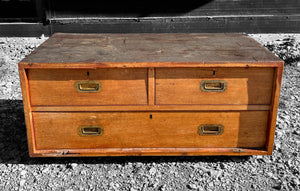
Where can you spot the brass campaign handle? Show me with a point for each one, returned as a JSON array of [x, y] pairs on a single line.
[[210, 129], [213, 85], [92, 130], [88, 86]]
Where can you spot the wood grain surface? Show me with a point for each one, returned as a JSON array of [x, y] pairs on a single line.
[[274, 108], [155, 108], [132, 48], [139, 130], [244, 85], [27, 109], [149, 152], [57, 87], [150, 101]]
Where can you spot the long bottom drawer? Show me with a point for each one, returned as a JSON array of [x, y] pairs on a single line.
[[91, 130]]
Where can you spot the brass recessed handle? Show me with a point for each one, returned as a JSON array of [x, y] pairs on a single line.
[[210, 129], [93, 130], [88, 86], [213, 85]]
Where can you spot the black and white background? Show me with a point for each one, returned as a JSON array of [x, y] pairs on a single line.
[[26, 24]]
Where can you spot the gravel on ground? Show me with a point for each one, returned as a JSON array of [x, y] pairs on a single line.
[[281, 171]]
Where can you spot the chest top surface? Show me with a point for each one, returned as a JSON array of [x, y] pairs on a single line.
[[150, 48]]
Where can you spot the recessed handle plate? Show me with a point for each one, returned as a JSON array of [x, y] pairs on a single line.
[[93, 130], [88, 86], [213, 85], [210, 129]]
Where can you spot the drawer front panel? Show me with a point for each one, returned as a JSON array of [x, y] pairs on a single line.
[[75, 130], [88, 87], [214, 85]]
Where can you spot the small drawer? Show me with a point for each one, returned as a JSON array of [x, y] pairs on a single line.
[[88, 130], [87, 87], [214, 85]]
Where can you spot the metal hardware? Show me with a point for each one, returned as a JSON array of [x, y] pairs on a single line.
[[210, 129], [88, 86], [93, 130], [213, 85]]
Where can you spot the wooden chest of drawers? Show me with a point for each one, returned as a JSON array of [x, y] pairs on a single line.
[[150, 94]]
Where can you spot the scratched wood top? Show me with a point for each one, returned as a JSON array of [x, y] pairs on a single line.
[[150, 48]]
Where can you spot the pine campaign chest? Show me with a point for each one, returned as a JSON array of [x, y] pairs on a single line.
[[150, 94]]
